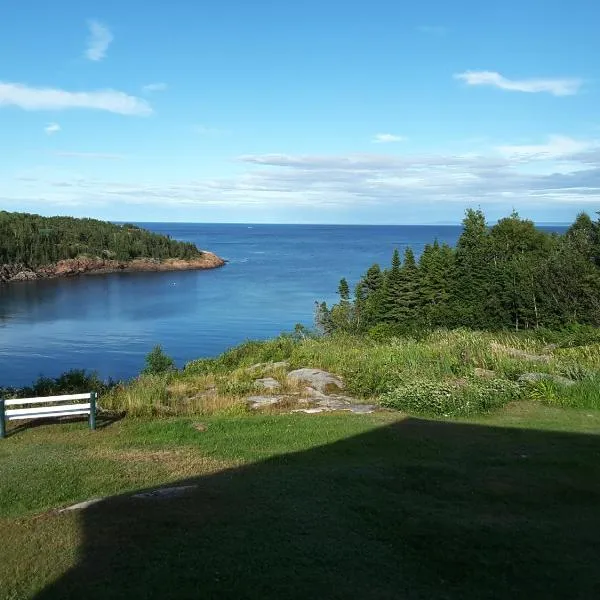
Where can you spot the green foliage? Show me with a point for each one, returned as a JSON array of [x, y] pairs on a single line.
[[75, 381], [34, 241], [451, 398], [511, 275], [157, 362]]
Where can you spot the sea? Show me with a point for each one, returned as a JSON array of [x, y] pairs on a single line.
[[273, 277]]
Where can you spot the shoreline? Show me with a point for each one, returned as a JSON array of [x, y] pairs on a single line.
[[74, 267]]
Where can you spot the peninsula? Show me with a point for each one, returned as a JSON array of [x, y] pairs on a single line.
[[35, 247]]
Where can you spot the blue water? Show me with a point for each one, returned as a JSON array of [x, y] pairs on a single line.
[[108, 323]]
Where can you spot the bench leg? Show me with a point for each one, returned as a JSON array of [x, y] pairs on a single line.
[[2, 420], [92, 421]]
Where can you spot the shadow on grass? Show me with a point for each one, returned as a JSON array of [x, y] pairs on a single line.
[[417, 509], [105, 419]]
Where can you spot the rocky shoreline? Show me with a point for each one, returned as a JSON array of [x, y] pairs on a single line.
[[89, 266]]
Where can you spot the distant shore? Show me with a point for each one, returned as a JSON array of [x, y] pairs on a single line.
[[89, 266]]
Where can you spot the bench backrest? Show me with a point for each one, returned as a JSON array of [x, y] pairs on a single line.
[[25, 409]]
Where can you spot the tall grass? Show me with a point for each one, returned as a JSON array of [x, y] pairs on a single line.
[[370, 368]]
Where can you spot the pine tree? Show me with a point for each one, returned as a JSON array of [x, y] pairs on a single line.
[[473, 272], [392, 288], [368, 297], [407, 301]]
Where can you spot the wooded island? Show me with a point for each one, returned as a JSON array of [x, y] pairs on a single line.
[[34, 247]]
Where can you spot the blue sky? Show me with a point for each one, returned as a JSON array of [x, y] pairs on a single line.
[[313, 112]]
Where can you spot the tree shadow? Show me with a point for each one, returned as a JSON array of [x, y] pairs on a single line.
[[416, 509], [103, 420]]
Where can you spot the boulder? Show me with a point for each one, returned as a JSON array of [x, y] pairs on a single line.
[[262, 401], [267, 383], [319, 380], [534, 377]]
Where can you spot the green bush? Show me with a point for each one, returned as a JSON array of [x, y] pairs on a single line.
[[75, 381], [451, 398], [158, 362]]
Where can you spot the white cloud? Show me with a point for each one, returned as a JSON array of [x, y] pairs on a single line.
[[31, 98], [561, 171], [558, 146], [155, 87], [386, 138], [98, 41], [556, 87], [52, 128]]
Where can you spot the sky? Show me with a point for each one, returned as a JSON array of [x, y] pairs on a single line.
[[320, 111]]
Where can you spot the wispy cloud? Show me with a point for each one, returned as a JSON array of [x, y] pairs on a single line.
[[31, 98], [556, 87], [155, 87], [561, 171], [52, 128], [99, 39], [432, 29], [91, 155], [557, 147], [387, 138]]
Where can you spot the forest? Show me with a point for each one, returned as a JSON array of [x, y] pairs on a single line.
[[36, 241], [511, 275]]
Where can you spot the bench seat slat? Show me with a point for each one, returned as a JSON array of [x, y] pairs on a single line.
[[46, 411], [17, 401], [66, 413]]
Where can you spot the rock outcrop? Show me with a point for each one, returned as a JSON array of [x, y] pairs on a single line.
[[535, 377], [80, 266], [317, 379]]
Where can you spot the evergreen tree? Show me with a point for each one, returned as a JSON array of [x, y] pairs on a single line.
[[408, 296], [392, 287], [368, 297], [471, 290]]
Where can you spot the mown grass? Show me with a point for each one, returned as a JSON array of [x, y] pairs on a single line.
[[296, 506], [373, 369]]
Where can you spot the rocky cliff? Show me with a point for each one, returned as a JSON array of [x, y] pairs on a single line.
[[81, 266]]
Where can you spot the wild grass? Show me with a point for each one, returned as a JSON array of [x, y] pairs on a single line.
[[371, 369]]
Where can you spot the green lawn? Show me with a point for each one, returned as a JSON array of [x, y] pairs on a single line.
[[307, 506]]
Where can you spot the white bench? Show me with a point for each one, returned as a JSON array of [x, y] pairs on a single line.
[[75, 407]]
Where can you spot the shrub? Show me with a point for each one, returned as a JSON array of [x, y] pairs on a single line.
[[75, 381], [451, 398], [158, 362]]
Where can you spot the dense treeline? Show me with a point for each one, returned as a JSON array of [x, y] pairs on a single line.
[[35, 241], [511, 275]]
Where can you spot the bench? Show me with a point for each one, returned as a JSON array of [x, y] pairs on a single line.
[[75, 407]]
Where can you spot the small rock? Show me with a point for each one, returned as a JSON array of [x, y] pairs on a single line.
[[315, 393], [267, 383], [558, 379], [317, 379], [82, 505], [484, 373], [261, 401], [199, 426], [363, 409], [310, 411], [516, 353]]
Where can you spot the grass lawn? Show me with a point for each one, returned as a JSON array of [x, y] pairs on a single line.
[[307, 506]]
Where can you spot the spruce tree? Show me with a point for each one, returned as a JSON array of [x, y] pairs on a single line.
[[473, 275], [392, 288]]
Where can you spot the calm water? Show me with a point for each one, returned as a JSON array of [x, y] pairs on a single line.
[[108, 323]]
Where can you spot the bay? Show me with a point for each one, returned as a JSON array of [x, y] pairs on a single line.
[[275, 273]]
